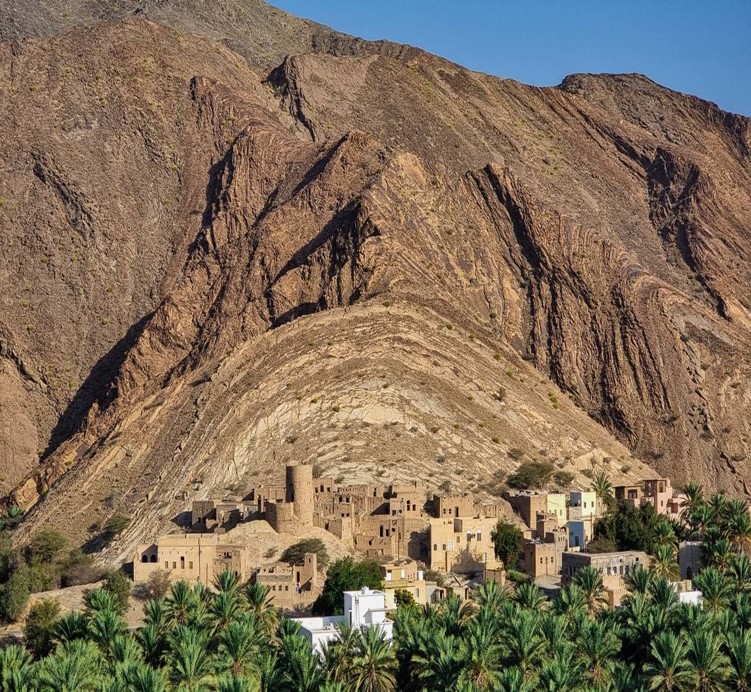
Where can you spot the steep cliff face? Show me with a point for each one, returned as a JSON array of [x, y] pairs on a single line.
[[359, 255]]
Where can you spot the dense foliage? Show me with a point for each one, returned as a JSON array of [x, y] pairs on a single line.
[[507, 542], [531, 474], [346, 575], [44, 564], [505, 639]]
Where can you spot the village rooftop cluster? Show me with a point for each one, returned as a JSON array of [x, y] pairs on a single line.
[[408, 530]]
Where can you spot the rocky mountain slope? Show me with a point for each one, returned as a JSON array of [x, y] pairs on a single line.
[[232, 238]]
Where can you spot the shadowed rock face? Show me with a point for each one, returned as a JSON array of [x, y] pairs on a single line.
[[354, 254]]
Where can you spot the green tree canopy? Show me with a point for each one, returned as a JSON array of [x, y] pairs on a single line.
[[346, 575], [295, 554], [507, 542]]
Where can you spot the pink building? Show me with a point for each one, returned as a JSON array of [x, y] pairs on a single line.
[[659, 493]]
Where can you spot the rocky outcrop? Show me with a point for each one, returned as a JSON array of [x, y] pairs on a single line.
[[230, 257]]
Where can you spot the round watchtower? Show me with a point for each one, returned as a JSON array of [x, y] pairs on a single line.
[[300, 491]]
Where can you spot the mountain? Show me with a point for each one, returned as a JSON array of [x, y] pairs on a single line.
[[232, 238]]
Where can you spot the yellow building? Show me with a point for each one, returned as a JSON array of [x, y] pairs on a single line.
[[403, 575], [556, 505], [463, 544]]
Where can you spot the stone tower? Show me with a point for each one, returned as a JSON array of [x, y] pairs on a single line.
[[300, 491]]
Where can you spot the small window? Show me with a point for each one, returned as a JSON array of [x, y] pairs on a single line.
[[174, 565], [190, 564], [166, 564]]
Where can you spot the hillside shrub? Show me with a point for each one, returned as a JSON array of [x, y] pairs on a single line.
[[531, 474], [295, 554]]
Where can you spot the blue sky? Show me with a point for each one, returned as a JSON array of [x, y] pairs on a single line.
[[699, 46]]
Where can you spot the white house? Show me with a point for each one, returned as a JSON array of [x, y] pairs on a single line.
[[363, 608]]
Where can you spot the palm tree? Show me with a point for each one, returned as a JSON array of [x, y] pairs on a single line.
[[664, 563], [373, 667], [523, 642], [142, 678], [302, 670], [639, 580], [338, 654], [512, 680], [100, 600], [269, 671], [454, 614], [739, 573], [227, 582], [663, 594], [529, 596], [438, 664], [718, 506], [230, 683], [190, 665], [563, 673], [105, 627], [181, 603], [16, 672], [570, 600], [598, 645], [481, 653], [76, 665], [125, 651], [224, 608], [239, 646], [738, 646], [709, 667], [694, 497], [664, 532], [488, 594], [716, 549], [153, 644], [667, 669], [714, 587], [555, 629], [698, 519], [590, 581], [739, 526], [155, 613], [260, 603], [72, 626], [603, 488]]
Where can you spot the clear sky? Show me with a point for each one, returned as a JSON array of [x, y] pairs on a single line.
[[699, 46]]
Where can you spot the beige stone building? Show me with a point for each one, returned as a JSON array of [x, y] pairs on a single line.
[[613, 567], [195, 557], [291, 586], [462, 544]]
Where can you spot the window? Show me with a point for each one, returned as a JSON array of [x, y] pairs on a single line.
[[443, 547], [144, 558], [479, 535], [190, 564], [174, 565], [166, 564]]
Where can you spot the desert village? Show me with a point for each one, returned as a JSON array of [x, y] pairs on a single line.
[[408, 531]]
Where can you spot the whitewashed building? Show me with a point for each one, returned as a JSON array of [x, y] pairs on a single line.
[[362, 609]]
